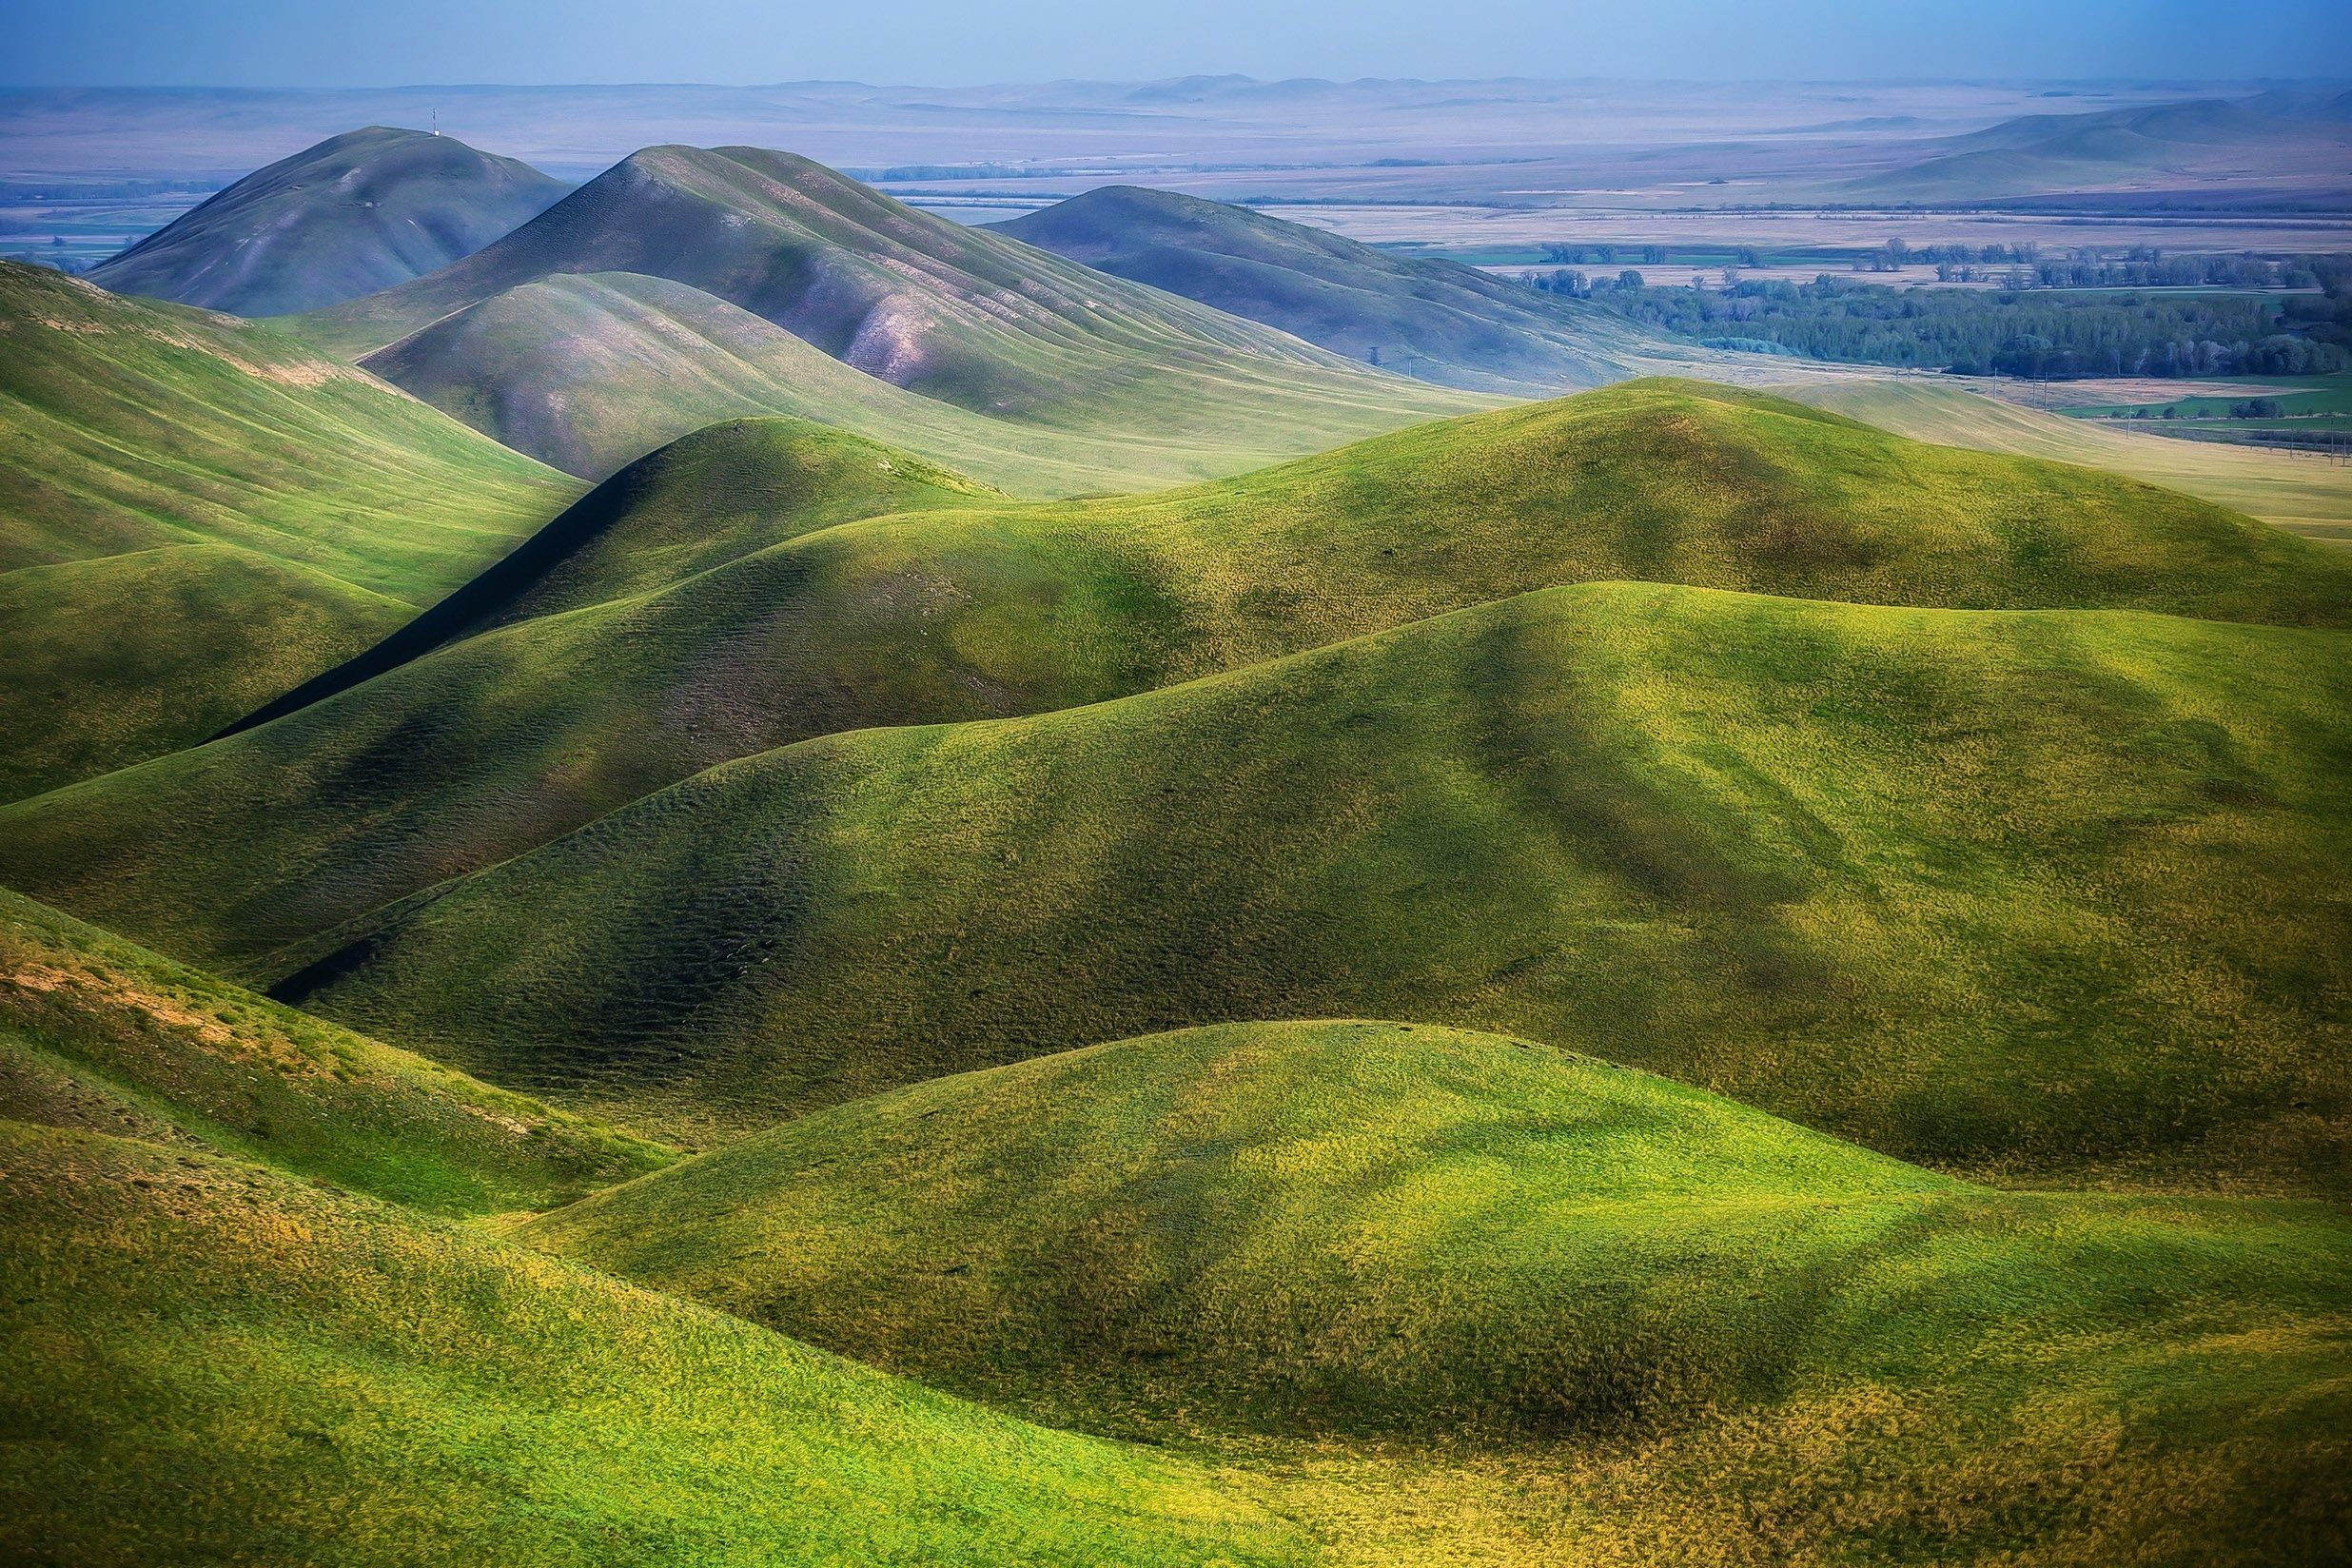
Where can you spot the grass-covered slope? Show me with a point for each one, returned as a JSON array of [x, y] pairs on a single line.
[[2297, 493], [485, 749], [236, 512], [355, 213], [727, 491], [203, 1363], [962, 315], [588, 371], [2004, 892], [1435, 319], [104, 662], [1797, 1349], [101, 1034]]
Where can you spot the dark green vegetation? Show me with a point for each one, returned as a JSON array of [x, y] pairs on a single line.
[[1391, 1232], [354, 214], [2045, 333], [961, 315], [234, 510], [98, 1035], [201, 1362], [1767, 846], [498, 743], [1432, 318]]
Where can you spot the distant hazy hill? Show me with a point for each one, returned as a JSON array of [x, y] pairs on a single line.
[[235, 513], [588, 371], [963, 315], [2274, 141], [354, 214], [1437, 320]]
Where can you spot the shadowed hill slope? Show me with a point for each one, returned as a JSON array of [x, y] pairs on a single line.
[[238, 512], [725, 492], [1437, 320], [355, 213], [959, 314], [588, 371], [488, 746], [99, 1034], [2004, 892], [203, 1362], [1407, 1232]]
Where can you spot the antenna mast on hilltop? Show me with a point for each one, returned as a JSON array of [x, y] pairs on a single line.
[[436, 122]]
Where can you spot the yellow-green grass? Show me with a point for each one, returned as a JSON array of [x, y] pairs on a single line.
[[130, 425], [2008, 893], [727, 490], [105, 662], [499, 743], [2310, 496], [203, 1362], [962, 315], [196, 513], [99, 1034], [1432, 1253], [588, 371], [357, 212]]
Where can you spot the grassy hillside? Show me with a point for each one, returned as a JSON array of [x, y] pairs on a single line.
[[99, 1035], [1436, 320], [203, 1362], [240, 512], [194, 637], [355, 213], [587, 371], [1409, 1233], [2303, 495], [490, 747], [2004, 892], [958, 314], [725, 492]]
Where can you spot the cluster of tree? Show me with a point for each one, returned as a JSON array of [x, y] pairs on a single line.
[[2037, 333], [1577, 255]]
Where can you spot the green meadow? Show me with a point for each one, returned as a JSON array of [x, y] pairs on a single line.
[[734, 877]]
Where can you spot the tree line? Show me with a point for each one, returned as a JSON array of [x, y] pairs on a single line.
[[2038, 332]]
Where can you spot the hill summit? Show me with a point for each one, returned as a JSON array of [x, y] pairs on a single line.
[[355, 213]]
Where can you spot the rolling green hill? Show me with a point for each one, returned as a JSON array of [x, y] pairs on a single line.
[[201, 1362], [238, 512], [355, 213], [727, 490], [1406, 1233], [588, 371], [2310, 498], [1435, 319], [493, 745], [961, 315], [2004, 893], [98, 1035]]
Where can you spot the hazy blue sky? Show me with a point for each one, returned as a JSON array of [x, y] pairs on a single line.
[[382, 43]]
